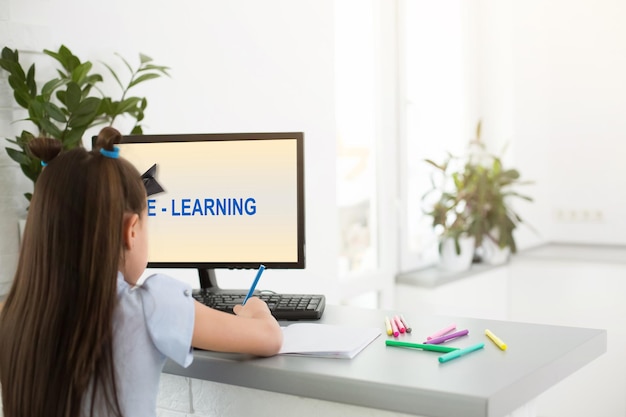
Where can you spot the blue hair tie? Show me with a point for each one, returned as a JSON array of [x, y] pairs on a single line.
[[43, 164], [114, 154]]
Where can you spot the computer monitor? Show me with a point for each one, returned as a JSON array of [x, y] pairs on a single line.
[[228, 200]]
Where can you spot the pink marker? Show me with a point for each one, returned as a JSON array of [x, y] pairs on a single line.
[[442, 331], [446, 337], [394, 327], [404, 323], [401, 327]]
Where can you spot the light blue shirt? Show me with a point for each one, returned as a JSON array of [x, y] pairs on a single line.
[[153, 321]]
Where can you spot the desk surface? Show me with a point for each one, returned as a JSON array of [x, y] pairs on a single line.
[[485, 383]]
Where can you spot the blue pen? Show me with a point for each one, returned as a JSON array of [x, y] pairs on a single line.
[[256, 280]]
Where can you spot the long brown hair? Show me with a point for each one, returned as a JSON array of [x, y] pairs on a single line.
[[56, 343]]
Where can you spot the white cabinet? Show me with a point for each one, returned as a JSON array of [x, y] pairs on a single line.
[[582, 294]]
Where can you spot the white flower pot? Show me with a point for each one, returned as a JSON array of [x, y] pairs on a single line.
[[450, 261], [492, 254]]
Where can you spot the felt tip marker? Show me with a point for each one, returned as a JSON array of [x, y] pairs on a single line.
[[448, 336], [441, 332], [388, 326], [406, 326], [495, 339], [401, 327], [253, 286], [458, 353], [394, 328], [433, 348]]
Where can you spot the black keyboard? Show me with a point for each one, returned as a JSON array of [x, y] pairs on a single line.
[[282, 306]]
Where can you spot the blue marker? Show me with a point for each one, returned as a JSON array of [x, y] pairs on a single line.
[[256, 280], [457, 353]]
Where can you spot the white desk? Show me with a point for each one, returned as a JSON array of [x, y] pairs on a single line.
[[485, 383]]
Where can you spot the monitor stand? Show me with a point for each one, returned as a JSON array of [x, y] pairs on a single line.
[[208, 280]]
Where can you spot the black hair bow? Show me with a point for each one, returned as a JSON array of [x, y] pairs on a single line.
[[151, 184]]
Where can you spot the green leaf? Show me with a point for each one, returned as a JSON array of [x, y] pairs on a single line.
[[159, 68], [25, 137], [73, 138], [49, 87], [106, 106], [9, 54], [128, 104], [126, 63], [55, 112], [10, 61], [88, 105], [18, 156], [144, 58], [93, 79], [36, 111], [80, 72], [20, 94], [13, 68], [61, 94], [114, 75], [50, 129], [433, 163], [143, 78], [65, 57], [85, 113], [31, 172], [73, 96], [30, 81]]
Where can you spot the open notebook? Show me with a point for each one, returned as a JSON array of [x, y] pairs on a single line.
[[326, 340]]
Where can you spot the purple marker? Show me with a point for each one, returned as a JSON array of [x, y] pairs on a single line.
[[441, 339]]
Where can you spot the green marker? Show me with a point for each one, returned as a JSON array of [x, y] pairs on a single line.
[[434, 348]]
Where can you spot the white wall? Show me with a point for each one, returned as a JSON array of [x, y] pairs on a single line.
[[236, 66], [551, 77]]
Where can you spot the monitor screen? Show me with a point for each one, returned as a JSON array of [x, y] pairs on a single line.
[[232, 200]]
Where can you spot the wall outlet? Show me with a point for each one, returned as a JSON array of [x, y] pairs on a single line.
[[579, 215]]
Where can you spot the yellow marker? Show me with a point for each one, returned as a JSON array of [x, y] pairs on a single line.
[[495, 339], [388, 326]]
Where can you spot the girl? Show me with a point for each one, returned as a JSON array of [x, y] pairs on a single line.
[[81, 336]]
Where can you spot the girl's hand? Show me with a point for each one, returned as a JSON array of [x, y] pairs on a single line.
[[254, 308], [252, 329]]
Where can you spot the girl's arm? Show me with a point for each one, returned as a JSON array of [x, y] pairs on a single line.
[[252, 329]]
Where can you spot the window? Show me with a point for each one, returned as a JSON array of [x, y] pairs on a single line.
[[366, 143], [433, 110], [401, 97]]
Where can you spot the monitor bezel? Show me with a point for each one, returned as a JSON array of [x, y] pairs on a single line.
[[300, 263]]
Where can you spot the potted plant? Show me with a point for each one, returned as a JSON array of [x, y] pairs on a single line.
[[474, 196], [71, 102]]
